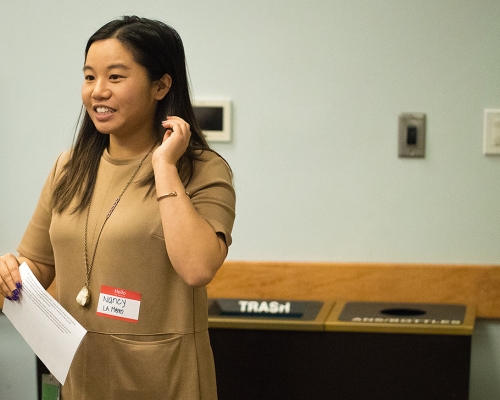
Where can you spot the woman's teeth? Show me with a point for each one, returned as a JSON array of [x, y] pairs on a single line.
[[104, 110]]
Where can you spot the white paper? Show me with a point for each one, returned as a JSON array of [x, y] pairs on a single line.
[[52, 333]]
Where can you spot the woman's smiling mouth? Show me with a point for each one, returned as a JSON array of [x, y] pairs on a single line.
[[104, 110]]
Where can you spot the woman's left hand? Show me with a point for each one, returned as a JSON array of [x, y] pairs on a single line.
[[175, 141], [194, 249]]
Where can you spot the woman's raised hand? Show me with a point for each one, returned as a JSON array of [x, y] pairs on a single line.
[[10, 277], [175, 141]]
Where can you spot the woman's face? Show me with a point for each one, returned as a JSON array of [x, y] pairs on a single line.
[[117, 92]]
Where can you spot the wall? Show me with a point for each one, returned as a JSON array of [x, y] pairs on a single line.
[[18, 379], [316, 87]]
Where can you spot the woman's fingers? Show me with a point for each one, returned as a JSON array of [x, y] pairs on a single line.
[[10, 277], [177, 125], [175, 140]]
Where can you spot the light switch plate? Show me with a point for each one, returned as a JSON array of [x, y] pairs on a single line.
[[491, 132], [411, 135]]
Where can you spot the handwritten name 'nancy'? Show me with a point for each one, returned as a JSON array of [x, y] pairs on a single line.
[[116, 301]]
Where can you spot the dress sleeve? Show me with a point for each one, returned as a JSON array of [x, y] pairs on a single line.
[[212, 193], [36, 244]]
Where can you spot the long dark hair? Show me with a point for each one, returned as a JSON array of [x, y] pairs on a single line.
[[158, 48]]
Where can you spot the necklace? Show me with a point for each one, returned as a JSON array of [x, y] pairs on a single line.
[[83, 296]]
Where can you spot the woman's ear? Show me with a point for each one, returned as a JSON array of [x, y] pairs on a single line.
[[163, 86]]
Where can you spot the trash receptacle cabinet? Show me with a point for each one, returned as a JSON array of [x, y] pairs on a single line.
[[340, 351]]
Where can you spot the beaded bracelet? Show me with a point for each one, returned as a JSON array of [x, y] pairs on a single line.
[[171, 194]]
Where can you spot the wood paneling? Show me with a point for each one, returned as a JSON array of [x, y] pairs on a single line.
[[462, 284]]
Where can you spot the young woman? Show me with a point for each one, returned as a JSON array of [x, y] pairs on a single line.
[[139, 210]]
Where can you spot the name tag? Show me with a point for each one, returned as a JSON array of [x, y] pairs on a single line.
[[119, 304]]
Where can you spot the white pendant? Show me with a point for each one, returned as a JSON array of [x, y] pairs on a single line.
[[83, 296]]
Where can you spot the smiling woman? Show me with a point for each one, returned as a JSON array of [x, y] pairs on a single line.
[[119, 96], [138, 213]]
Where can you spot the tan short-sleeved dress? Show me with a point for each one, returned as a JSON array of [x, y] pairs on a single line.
[[166, 353]]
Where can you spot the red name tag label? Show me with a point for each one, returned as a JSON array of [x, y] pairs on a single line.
[[119, 304]]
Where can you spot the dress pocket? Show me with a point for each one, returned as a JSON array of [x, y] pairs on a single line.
[[146, 367]]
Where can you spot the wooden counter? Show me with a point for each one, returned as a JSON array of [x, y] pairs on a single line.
[[420, 283]]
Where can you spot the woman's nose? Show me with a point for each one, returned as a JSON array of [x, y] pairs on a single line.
[[101, 90]]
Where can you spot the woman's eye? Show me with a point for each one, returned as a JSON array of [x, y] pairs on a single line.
[[114, 77], [89, 77]]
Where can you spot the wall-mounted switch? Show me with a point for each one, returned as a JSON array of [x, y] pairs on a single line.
[[491, 134], [411, 135]]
